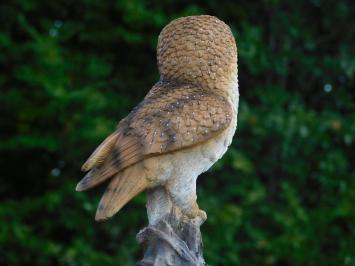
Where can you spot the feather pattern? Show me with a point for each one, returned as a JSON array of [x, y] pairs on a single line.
[[122, 188], [190, 108], [170, 118]]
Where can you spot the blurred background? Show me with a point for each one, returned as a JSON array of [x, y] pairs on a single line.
[[284, 194]]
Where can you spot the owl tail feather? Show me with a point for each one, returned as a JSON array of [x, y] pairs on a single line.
[[101, 152], [122, 188], [98, 174]]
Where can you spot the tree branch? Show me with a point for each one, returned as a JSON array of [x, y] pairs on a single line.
[[172, 239]]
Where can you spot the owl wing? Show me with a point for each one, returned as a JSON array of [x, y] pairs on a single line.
[[170, 118]]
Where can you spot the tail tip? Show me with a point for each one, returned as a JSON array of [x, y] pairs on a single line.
[[85, 167], [78, 188], [102, 214], [99, 218], [81, 186]]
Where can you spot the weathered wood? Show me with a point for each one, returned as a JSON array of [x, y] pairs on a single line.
[[172, 241]]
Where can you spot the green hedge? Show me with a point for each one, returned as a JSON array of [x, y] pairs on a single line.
[[284, 193]]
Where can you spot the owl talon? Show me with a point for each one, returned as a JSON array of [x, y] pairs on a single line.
[[202, 215], [199, 217]]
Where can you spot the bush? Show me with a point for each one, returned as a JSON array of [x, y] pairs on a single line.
[[282, 195]]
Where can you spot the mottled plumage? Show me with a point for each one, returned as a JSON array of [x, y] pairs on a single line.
[[192, 107]]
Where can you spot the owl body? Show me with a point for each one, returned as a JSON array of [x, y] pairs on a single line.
[[181, 128], [177, 172]]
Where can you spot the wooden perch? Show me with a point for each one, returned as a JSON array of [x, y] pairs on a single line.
[[172, 240]]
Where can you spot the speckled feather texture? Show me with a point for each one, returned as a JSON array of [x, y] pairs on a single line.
[[181, 128]]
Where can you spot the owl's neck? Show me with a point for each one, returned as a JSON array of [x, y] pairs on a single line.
[[230, 90]]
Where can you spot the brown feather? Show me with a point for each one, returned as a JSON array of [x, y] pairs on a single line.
[[112, 165], [101, 152], [187, 107], [123, 187], [183, 116], [95, 177]]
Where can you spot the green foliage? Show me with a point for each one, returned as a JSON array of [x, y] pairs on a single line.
[[284, 193]]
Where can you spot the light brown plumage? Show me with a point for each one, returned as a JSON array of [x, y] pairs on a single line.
[[119, 192], [101, 152], [187, 107]]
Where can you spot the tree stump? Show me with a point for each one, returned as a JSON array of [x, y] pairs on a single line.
[[171, 239]]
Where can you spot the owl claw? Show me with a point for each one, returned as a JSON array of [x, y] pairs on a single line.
[[197, 216], [202, 215]]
